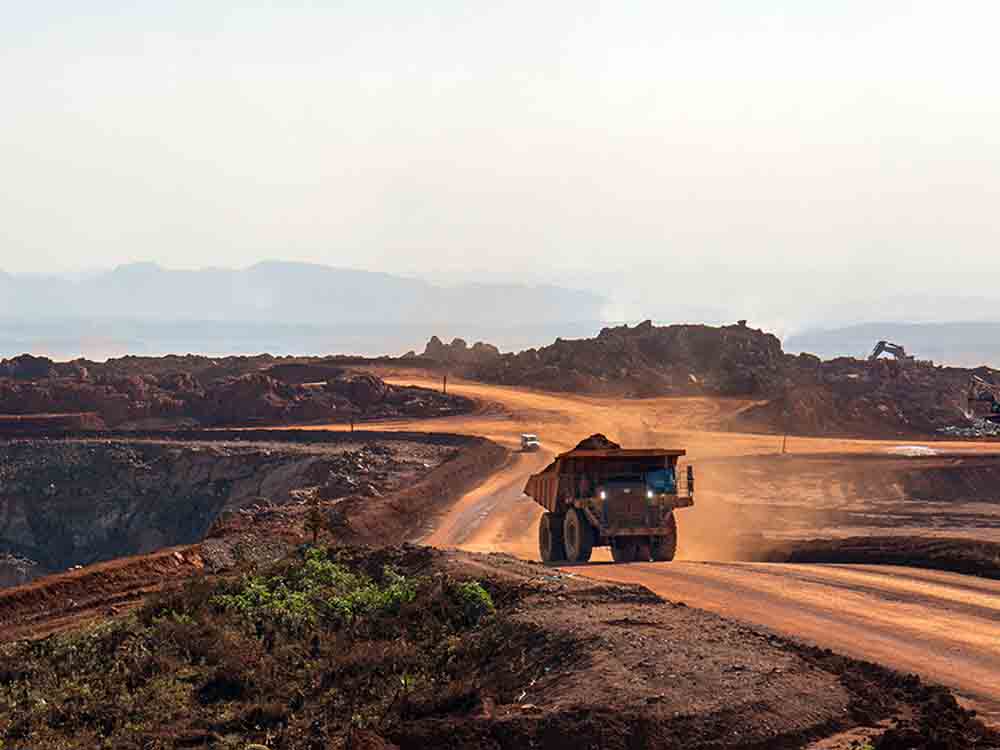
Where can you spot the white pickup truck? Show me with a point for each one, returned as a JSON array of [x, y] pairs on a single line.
[[530, 443]]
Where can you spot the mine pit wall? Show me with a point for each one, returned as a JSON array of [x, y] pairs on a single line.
[[79, 500]]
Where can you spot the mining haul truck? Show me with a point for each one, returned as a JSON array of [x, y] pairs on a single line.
[[599, 494]]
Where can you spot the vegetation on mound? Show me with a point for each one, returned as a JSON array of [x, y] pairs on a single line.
[[304, 655]]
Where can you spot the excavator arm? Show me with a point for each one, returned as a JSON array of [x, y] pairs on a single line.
[[887, 347], [983, 390]]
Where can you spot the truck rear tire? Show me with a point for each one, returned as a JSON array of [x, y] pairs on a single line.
[[550, 538], [578, 536], [623, 549], [665, 547]]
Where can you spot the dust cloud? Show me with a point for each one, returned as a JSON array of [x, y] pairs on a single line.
[[745, 510]]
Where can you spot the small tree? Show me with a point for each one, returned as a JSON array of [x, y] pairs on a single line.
[[316, 520]]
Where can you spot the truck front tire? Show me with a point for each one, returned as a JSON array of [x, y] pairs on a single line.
[[664, 547], [578, 536], [550, 538]]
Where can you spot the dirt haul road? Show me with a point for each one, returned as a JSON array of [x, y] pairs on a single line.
[[943, 626]]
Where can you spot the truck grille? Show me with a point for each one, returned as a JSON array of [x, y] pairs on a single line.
[[627, 510]]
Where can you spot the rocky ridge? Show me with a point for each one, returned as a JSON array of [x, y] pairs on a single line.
[[150, 394], [798, 394], [643, 360]]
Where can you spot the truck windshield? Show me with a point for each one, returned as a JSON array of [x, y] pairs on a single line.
[[624, 479], [662, 480]]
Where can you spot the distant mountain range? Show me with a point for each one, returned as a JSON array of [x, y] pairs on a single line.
[[282, 308], [964, 344], [276, 292], [299, 308]]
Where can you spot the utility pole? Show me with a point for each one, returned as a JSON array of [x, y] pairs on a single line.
[[444, 385], [785, 419]]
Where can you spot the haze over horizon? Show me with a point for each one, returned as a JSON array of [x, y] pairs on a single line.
[[632, 294], [801, 165], [795, 138]]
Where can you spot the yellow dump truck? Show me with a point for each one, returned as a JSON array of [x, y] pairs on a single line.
[[600, 494]]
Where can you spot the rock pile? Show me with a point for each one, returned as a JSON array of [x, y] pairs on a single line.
[[640, 360], [850, 396], [363, 390], [123, 397], [358, 472], [459, 352], [799, 394]]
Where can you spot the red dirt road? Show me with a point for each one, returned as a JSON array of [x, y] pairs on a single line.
[[945, 627]]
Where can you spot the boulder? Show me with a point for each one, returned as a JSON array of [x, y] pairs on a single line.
[[459, 351]]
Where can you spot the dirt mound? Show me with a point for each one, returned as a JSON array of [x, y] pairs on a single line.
[[364, 390], [799, 395], [148, 393], [854, 397], [641, 360], [456, 650]]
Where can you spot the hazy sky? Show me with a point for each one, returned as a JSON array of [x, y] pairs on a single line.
[[794, 136]]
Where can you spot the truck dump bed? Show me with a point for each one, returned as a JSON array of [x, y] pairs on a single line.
[[561, 480]]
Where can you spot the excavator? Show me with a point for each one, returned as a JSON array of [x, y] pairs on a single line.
[[887, 347], [984, 399]]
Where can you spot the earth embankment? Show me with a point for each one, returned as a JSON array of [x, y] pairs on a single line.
[[465, 651], [71, 502]]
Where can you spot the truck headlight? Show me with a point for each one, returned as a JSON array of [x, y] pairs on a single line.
[[649, 494], [604, 495]]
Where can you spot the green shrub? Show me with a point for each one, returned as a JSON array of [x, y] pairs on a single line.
[[370, 599], [475, 601], [318, 589]]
